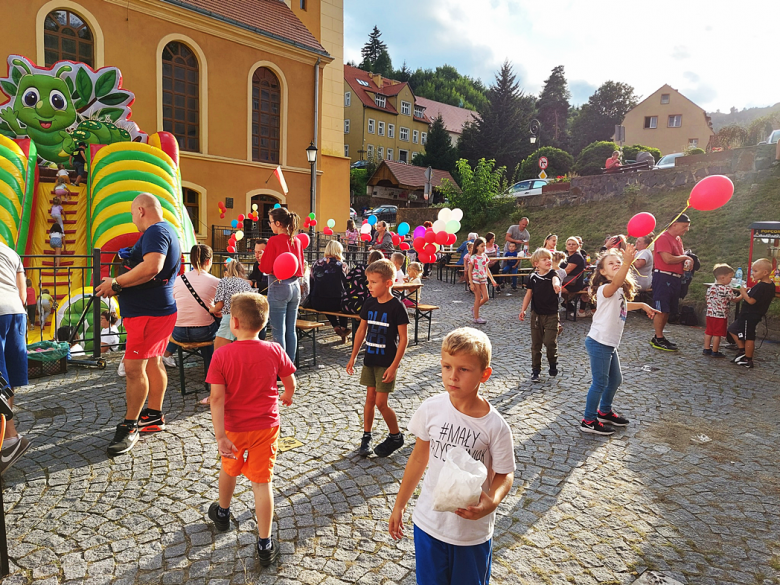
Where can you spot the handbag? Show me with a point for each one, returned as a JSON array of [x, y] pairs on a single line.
[[195, 296]]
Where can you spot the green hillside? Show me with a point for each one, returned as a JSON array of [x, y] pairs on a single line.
[[722, 235]]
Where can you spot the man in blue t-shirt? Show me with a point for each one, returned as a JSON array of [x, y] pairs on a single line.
[[145, 295]]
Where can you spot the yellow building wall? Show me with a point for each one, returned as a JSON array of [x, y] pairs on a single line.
[[668, 140], [134, 33]]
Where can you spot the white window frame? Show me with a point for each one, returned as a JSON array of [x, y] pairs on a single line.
[[346, 126], [406, 108], [424, 138], [403, 132], [346, 150], [371, 125], [400, 157], [347, 99], [369, 151], [380, 153], [380, 128], [693, 143], [653, 123], [667, 96], [391, 130], [380, 101], [415, 136], [389, 154], [672, 119], [421, 110]]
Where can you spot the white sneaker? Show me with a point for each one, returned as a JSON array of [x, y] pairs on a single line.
[[169, 361], [121, 370]]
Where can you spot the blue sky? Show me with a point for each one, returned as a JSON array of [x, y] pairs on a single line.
[[719, 53]]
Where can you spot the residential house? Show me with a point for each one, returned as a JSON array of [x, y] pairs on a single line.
[[382, 119], [244, 85], [454, 118], [404, 185], [669, 121]]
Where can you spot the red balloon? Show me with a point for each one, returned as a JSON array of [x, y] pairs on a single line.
[[404, 246], [304, 239], [426, 258], [429, 249], [231, 249], [430, 237], [365, 237], [285, 265], [240, 217], [711, 192], [221, 216], [221, 205], [418, 244], [313, 222], [442, 237], [327, 231], [396, 240], [641, 224], [451, 239], [365, 221]]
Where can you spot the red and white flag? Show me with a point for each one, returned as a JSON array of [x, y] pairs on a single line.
[[280, 177]]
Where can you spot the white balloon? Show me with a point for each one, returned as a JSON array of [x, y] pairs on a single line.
[[439, 225], [457, 215], [445, 214], [365, 229]]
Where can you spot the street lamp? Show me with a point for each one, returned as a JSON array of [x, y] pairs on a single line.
[[535, 127], [311, 156]]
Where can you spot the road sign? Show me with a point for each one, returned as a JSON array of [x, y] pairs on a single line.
[[542, 162], [542, 175], [428, 174]]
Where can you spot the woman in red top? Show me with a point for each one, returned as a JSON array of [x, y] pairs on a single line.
[[284, 296]]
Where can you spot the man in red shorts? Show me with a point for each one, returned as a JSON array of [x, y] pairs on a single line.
[[145, 295]]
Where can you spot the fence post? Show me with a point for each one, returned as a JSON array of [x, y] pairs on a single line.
[[96, 279]]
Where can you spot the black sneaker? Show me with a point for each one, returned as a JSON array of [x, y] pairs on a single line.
[[124, 439], [740, 356], [535, 375], [745, 362], [222, 524], [514, 287], [612, 418], [365, 446], [268, 555], [706, 352], [151, 424], [554, 370], [718, 354], [11, 454], [663, 344], [595, 427], [389, 445]]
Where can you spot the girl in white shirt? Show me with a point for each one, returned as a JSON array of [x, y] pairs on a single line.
[[614, 288], [109, 334]]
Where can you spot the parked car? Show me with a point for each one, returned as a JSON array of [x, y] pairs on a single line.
[[353, 215], [526, 188], [383, 213], [667, 161], [360, 164], [774, 138]]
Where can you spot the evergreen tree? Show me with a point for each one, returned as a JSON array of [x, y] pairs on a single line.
[[402, 74], [553, 109], [501, 133], [447, 85], [376, 58], [605, 109], [439, 151]]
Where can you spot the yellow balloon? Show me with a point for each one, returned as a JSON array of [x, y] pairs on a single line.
[[239, 235], [254, 207]]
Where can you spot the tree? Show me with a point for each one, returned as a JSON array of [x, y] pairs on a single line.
[[439, 151], [446, 85], [402, 74], [559, 162], [630, 152], [552, 109], [478, 187], [376, 59], [605, 109], [501, 132]]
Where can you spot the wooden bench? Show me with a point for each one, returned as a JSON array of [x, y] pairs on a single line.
[[628, 168], [307, 330], [352, 316], [184, 350], [423, 312]]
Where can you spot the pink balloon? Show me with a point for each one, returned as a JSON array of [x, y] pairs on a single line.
[[641, 224], [304, 239], [442, 237], [711, 192], [404, 246], [285, 265], [419, 232]]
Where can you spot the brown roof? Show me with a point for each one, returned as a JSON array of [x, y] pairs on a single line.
[[409, 176], [269, 18], [454, 118], [389, 88]]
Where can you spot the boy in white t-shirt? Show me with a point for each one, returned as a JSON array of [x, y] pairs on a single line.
[[456, 547], [398, 260]]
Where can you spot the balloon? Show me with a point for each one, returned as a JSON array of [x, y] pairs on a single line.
[[285, 265], [239, 235], [418, 244], [312, 215], [404, 246], [441, 237], [419, 231], [456, 215], [396, 240], [277, 205], [304, 240], [234, 223], [430, 237], [365, 228], [241, 217], [231, 249], [229, 260], [221, 216], [439, 226], [327, 231], [365, 237], [426, 258], [372, 219], [331, 223], [711, 192], [429, 249], [254, 206], [451, 239], [641, 224], [403, 228], [445, 215], [453, 226], [313, 222]]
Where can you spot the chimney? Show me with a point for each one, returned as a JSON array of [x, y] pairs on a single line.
[[377, 79]]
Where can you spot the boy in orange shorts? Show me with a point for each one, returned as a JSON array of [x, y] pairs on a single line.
[[245, 414]]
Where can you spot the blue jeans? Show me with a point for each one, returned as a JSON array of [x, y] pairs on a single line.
[[194, 335], [13, 349], [511, 270], [283, 300], [440, 563], [605, 370]]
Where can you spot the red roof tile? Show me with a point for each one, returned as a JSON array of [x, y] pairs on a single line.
[[352, 75], [269, 18], [454, 118], [413, 177]]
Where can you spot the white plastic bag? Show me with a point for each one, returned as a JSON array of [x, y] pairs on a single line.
[[460, 481]]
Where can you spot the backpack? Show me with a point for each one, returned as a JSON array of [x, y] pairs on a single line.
[[356, 290], [688, 316]]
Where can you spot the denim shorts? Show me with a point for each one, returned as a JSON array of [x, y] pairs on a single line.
[[666, 292], [224, 328]]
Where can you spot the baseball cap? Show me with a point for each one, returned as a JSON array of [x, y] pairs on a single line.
[[683, 219]]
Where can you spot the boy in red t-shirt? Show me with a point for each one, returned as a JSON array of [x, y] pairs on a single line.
[[245, 414]]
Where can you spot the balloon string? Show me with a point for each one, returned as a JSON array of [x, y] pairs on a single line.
[[666, 228]]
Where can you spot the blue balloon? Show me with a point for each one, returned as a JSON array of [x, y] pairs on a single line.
[[234, 223], [371, 219], [403, 228], [277, 205]]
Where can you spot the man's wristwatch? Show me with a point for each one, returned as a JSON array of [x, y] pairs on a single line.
[[115, 286]]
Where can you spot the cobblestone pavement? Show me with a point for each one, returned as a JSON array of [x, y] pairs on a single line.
[[583, 509]]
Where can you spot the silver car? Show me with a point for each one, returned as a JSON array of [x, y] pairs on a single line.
[[526, 188], [667, 161]]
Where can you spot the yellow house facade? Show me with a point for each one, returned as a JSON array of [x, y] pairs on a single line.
[[669, 121], [244, 85], [382, 119]]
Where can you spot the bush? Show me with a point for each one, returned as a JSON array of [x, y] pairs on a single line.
[[478, 188], [692, 151], [592, 158], [630, 152], [559, 162]]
